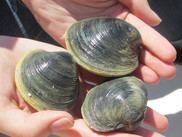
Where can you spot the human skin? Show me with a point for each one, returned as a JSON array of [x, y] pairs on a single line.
[[157, 54], [156, 58], [18, 119]]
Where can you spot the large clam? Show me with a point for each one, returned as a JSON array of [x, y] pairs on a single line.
[[119, 104], [48, 80], [105, 46]]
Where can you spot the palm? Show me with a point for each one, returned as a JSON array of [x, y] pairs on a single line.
[[66, 12], [17, 110]]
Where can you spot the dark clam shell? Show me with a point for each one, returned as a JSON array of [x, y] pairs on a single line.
[[48, 80], [119, 104], [105, 46]]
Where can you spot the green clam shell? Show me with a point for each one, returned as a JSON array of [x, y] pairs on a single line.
[[104, 46], [48, 80], [119, 104]]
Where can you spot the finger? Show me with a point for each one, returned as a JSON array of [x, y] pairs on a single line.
[[142, 10], [142, 132], [40, 124], [163, 69], [153, 41], [156, 120], [80, 129], [146, 74]]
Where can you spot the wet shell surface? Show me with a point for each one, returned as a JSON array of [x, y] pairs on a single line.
[[104, 46], [48, 80], [119, 104]]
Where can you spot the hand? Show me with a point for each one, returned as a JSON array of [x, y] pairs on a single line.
[[18, 119], [157, 54]]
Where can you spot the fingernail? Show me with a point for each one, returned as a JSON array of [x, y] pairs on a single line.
[[61, 124], [157, 16]]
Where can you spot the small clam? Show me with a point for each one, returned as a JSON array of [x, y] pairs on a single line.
[[105, 46], [119, 104], [47, 80]]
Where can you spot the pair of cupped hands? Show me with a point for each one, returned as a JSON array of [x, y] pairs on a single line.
[[18, 119]]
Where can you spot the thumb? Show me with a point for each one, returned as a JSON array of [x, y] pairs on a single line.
[[142, 10], [39, 124]]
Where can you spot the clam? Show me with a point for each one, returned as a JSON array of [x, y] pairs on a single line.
[[119, 104], [104, 46], [48, 80]]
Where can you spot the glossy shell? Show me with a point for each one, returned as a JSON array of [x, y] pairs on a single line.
[[47, 80], [105, 46], [119, 104]]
